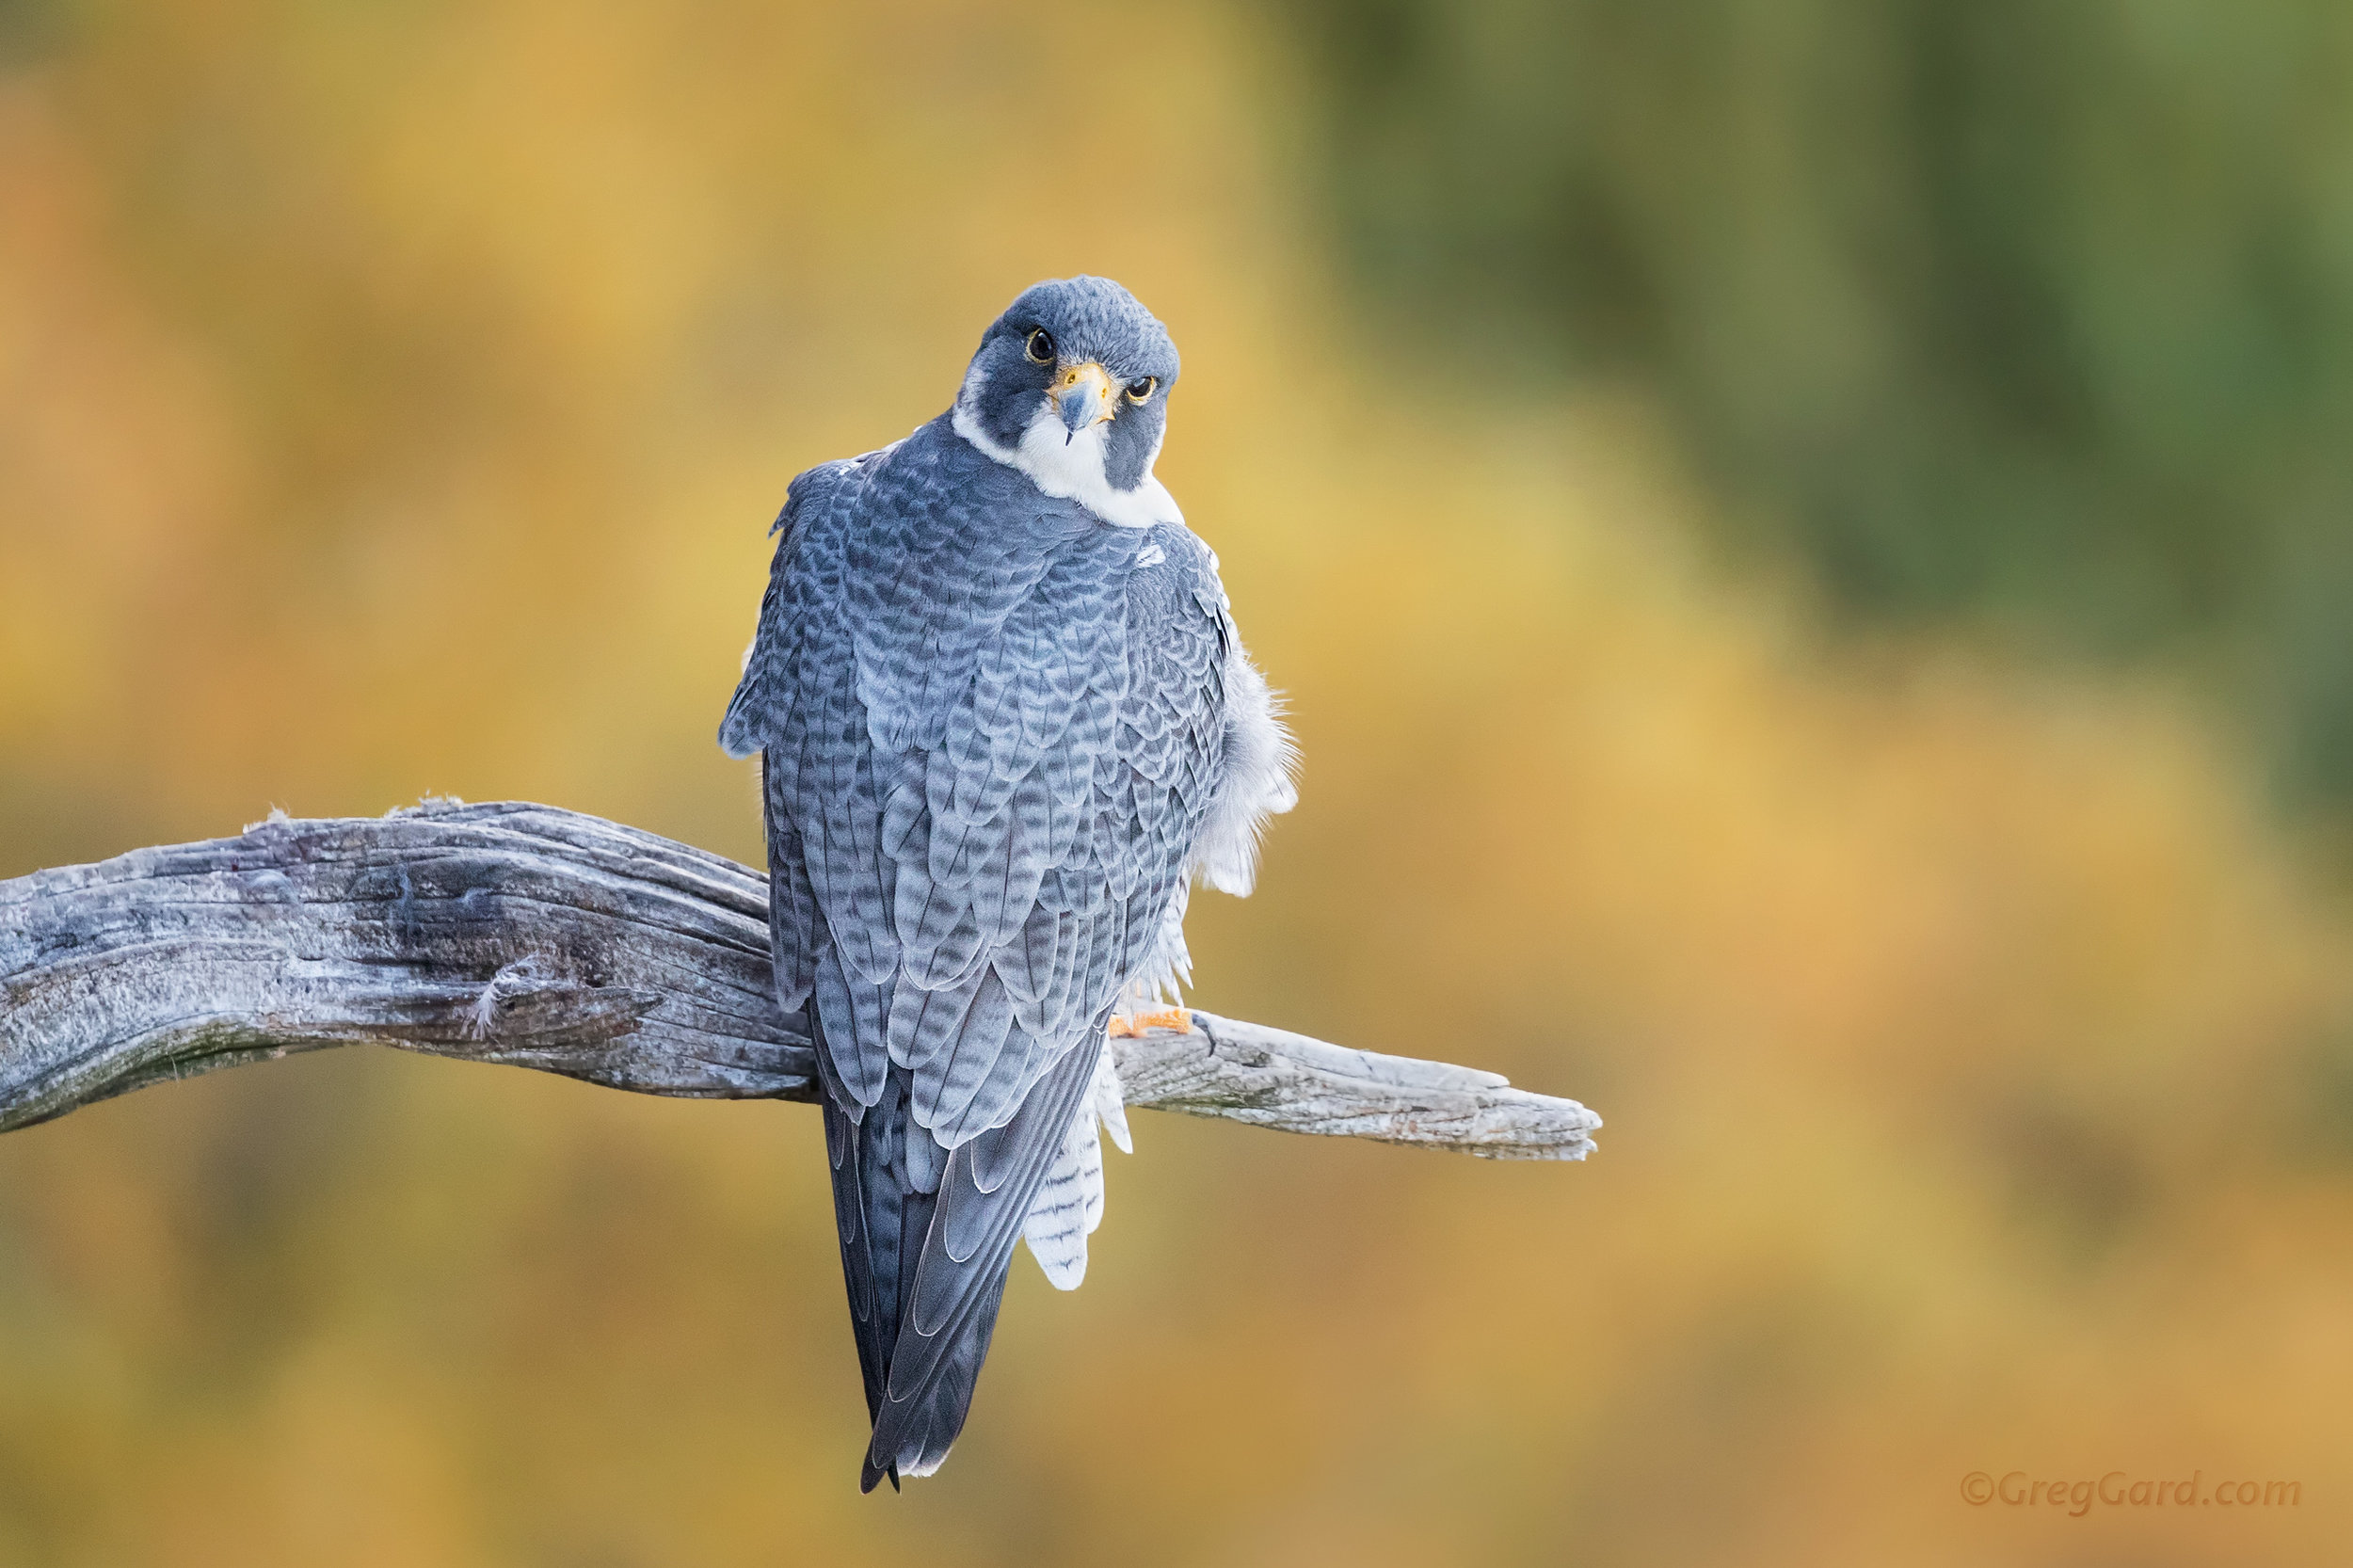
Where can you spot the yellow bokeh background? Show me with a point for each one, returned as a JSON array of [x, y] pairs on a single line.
[[392, 401]]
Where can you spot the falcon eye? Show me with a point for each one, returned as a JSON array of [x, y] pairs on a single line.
[[1141, 389], [1042, 347]]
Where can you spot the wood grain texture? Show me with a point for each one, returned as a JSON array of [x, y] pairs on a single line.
[[544, 938]]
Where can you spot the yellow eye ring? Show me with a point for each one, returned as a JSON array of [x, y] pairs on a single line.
[[1141, 389], [1041, 347]]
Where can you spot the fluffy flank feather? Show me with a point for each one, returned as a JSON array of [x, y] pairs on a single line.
[[1260, 760]]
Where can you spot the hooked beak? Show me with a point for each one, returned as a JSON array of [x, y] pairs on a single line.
[[1084, 396]]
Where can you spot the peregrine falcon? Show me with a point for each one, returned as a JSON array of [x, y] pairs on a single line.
[[1004, 720]]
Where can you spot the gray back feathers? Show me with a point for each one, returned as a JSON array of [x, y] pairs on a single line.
[[992, 739]]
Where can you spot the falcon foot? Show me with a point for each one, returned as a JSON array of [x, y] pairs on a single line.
[[1176, 1020]]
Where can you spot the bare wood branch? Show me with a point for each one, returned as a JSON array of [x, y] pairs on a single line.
[[543, 938]]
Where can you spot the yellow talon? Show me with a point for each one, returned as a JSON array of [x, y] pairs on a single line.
[[1176, 1020]]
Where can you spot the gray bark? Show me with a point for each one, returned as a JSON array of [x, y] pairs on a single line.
[[544, 938]]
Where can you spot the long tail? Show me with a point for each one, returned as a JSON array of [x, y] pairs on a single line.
[[927, 1236]]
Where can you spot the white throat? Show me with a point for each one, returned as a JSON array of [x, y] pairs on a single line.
[[1070, 467]]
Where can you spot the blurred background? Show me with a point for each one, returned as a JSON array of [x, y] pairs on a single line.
[[1810, 547]]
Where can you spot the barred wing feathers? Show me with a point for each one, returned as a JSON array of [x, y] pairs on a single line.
[[991, 739]]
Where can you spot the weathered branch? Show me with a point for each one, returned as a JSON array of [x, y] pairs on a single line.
[[526, 935]]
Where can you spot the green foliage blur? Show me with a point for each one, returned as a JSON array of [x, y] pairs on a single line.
[[2039, 316], [395, 399]]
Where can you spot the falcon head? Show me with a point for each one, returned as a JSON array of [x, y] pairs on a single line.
[[1071, 386]]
